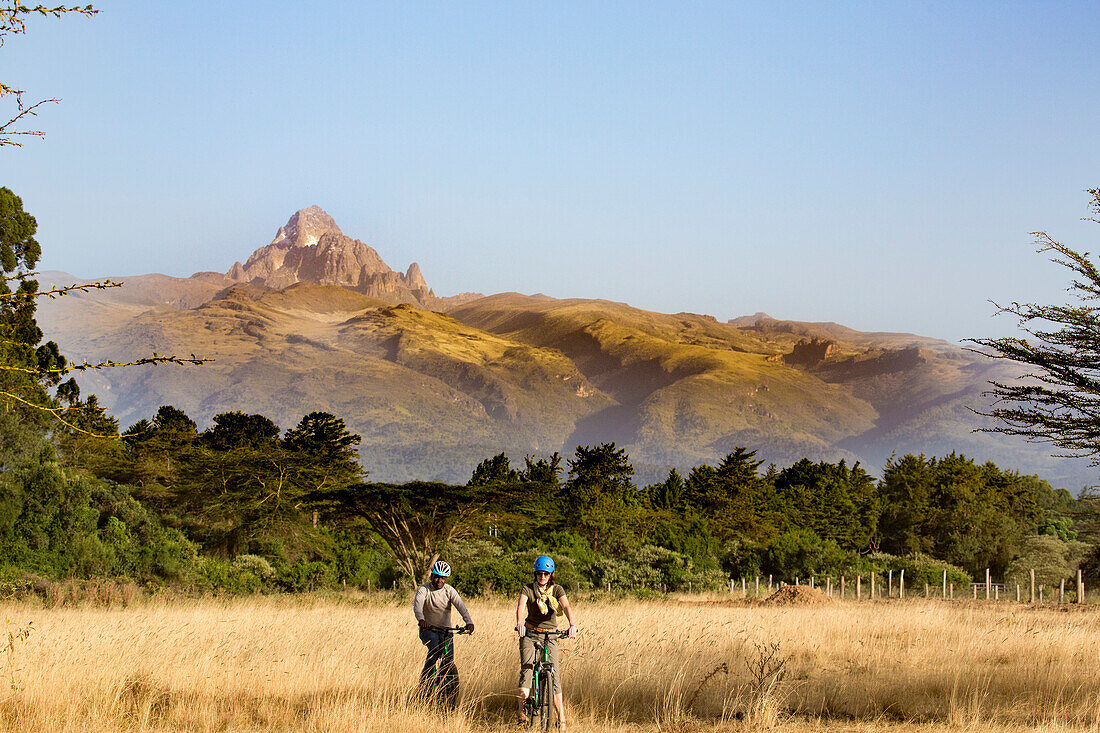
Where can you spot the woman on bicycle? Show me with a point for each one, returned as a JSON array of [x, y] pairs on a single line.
[[543, 601]]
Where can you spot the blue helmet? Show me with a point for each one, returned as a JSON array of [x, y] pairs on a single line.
[[441, 569], [544, 563]]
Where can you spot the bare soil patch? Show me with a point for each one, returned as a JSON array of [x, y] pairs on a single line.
[[798, 595]]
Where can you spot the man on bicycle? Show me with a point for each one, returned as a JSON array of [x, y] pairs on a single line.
[[432, 609], [543, 600]]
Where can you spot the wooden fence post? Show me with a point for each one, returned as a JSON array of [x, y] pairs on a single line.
[[829, 586], [756, 593], [1062, 592], [769, 584], [952, 586], [987, 584], [974, 587], [901, 584], [744, 590], [1080, 587], [926, 589], [1040, 594], [1017, 590], [842, 587], [890, 584], [945, 585], [1031, 594], [871, 595], [859, 587]]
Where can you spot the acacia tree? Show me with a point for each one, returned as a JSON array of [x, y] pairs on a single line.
[[1058, 399], [413, 522]]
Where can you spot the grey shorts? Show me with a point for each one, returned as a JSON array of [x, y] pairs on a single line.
[[527, 661]]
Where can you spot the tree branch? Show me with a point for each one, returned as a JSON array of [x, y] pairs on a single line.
[[57, 292], [84, 366], [56, 412]]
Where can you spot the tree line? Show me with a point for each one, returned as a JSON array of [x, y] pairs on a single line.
[[244, 505]]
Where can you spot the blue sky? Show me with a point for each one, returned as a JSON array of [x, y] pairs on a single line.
[[875, 164]]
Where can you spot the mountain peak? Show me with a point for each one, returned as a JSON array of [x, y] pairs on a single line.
[[305, 227], [311, 248], [749, 321], [414, 278]]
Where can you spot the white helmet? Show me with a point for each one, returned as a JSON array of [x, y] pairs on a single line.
[[441, 569]]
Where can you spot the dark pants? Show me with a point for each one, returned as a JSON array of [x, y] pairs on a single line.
[[442, 650]]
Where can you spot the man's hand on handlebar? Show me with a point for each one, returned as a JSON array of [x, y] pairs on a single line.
[[423, 624]]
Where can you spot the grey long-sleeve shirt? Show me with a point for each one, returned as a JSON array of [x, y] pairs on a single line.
[[434, 606]]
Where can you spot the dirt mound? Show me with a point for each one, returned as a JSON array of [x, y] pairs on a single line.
[[798, 595]]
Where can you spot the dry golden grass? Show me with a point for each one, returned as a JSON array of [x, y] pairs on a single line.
[[349, 664]]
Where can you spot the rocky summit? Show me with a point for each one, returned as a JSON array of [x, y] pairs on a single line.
[[311, 248]]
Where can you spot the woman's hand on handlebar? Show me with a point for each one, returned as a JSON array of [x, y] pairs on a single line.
[[572, 631]]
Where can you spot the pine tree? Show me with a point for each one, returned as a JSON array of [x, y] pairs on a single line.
[[28, 367]]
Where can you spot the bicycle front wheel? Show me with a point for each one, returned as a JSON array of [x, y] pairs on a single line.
[[546, 699]]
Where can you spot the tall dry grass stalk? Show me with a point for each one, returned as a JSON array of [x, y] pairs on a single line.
[[350, 665]]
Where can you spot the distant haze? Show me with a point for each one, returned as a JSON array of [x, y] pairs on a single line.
[[876, 165]]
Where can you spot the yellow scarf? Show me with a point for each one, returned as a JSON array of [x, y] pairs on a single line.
[[545, 600]]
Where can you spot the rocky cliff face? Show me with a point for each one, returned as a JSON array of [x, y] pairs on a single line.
[[311, 248], [811, 352]]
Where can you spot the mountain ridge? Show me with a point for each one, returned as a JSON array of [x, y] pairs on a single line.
[[435, 384]]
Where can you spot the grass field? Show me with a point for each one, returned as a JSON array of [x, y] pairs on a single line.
[[349, 664]]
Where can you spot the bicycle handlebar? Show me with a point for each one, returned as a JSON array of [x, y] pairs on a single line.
[[450, 629], [548, 634]]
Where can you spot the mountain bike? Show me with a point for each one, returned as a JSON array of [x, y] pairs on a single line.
[[440, 686], [540, 703]]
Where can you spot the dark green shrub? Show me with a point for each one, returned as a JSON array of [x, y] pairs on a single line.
[[801, 554], [307, 575]]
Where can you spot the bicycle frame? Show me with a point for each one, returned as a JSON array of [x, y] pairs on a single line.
[[540, 701], [433, 689]]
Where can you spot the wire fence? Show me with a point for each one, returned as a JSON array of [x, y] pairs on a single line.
[[887, 585]]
